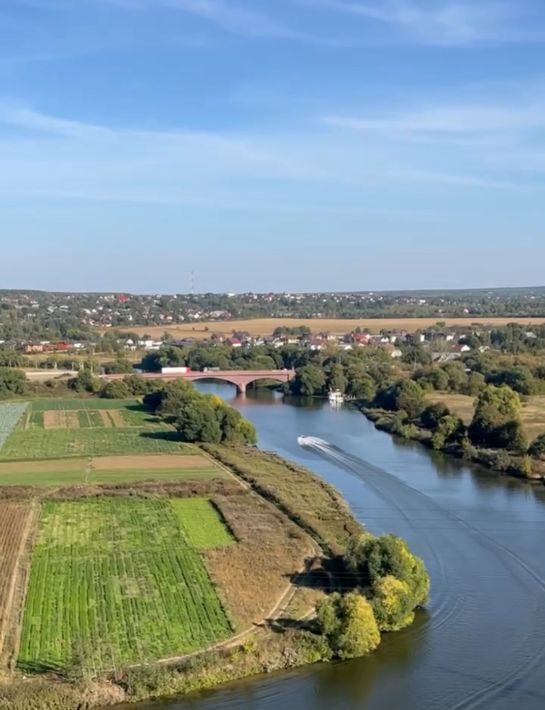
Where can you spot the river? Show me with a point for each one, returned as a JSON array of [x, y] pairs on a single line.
[[480, 643]]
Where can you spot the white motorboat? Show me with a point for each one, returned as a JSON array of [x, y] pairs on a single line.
[[336, 397]]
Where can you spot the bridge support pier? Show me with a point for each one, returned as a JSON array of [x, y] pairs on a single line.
[[241, 388]]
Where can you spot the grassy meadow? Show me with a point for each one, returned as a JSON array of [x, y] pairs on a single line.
[[532, 414]]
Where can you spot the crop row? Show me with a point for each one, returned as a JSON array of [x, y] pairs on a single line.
[[46, 405], [59, 443], [115, 582], [202, 523], [10, 414]]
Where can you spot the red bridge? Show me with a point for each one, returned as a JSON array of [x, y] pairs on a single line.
[[240, 378]]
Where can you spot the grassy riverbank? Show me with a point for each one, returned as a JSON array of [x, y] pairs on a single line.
[[500, 461], [259, 526], [130, 573]]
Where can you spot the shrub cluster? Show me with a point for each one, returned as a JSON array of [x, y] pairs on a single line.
[[390, 582], [200, 417]]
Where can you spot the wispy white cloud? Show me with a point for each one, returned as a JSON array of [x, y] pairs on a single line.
[[449, 119], [317, 169], [467, 180], [22, 117], [237, 18], [451, 23], [49, 156], [445, 22], [229, 16]]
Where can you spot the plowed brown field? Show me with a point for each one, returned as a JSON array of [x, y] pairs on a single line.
[[61, 419], [15, 525]]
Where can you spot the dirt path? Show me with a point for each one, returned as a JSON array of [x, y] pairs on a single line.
[[229, 472]]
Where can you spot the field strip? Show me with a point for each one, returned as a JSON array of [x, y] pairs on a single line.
[[106, 421], [54, 419], [10, 416], [116, 417], [37, 467], [142, 463]]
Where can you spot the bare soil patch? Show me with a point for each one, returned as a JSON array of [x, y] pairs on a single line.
[[117, 418], [72, 420], [106, 421], [51, 466], [142, 463], [53, 419], [61, 419]]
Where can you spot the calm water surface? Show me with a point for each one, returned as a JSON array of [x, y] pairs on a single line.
[[481, 641]]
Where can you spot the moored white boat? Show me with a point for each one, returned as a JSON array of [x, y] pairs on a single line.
[[336, 397]]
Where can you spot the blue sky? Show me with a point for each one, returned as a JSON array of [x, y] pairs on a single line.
[[271, 144]]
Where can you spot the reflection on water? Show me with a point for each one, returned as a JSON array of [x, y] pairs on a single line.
[[481, 640]]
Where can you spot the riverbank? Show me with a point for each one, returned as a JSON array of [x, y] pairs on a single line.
[[278, 505], [500, 461]]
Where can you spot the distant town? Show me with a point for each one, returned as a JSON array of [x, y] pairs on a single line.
[[49, 326], [105, 310]]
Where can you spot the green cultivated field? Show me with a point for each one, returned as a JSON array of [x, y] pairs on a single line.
[[59, 443], [35, 473], [115, 582], [88, 418], [202, 523], [88, 413], [47, 405]]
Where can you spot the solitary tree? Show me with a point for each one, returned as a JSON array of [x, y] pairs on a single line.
[[537, 447], [497, 422]]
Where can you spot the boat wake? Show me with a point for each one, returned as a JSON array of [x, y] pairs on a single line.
[[432, 527]]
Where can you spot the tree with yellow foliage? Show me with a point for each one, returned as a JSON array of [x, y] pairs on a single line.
[[392, 603], [349, 625]]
